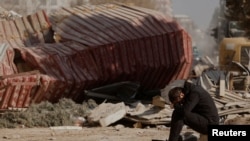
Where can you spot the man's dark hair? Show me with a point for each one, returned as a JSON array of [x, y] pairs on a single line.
[[174, 94]]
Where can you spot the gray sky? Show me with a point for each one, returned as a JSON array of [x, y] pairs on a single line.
[[200, 11]]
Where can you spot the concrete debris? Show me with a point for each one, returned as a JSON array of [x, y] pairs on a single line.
[[214, 81], [149, 114], [70, 77], [228, 102], [107, 113]]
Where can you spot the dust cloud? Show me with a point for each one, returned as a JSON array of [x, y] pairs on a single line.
[[207, 46]]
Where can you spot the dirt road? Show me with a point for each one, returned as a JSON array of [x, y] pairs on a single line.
[[84, 134]]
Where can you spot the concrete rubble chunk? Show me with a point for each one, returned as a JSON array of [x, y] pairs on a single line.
[[107, 113]]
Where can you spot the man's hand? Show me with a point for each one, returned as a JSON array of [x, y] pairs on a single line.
[[178, 105]]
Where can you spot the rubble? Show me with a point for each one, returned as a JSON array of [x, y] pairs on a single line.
[[228, 102], [8, 15], [80, 48], [107, 113], [149, 114], [64, 113], [54, 59]]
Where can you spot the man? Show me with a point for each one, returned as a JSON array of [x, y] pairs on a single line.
[[194, 107]]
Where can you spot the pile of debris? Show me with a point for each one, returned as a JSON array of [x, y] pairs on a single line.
[[8, 15], [89, 113], [46, 114], [123, 101], [231, 104], [49, 57]]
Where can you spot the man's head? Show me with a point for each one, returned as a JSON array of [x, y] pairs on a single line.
[[175, 95]]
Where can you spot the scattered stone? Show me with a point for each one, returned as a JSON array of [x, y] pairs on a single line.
[[118, 127]]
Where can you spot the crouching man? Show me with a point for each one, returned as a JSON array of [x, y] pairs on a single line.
[[194, 107]]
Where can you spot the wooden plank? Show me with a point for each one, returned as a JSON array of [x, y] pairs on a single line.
[[234, 111], [222, 84], [163, 120]]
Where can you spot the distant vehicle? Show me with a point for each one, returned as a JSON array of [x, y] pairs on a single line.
[[234, 59]]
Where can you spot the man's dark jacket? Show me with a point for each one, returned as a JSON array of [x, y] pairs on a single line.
[[196, 101]]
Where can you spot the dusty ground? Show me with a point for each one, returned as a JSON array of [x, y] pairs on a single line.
[[23, 126], [115, 133], [84, 134]]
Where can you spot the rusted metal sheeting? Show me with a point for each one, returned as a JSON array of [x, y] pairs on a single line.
[[128, 43], [22, 32], [46, 63], [7, 66], [69, 67], [99, 45], [34, 29], [18, 90], [27, 31]]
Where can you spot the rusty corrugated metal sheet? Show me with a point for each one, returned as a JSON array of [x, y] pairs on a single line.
[[7, 66], [143, 39], [22, 32], [112, 43], [27, 31], [18, 89], [97, 45]]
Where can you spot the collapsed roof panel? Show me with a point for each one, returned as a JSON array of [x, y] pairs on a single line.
[[27, 31], [138, 35], [7, 66], [96, 45]]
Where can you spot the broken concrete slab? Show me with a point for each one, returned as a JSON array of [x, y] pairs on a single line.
[[107, 113]]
